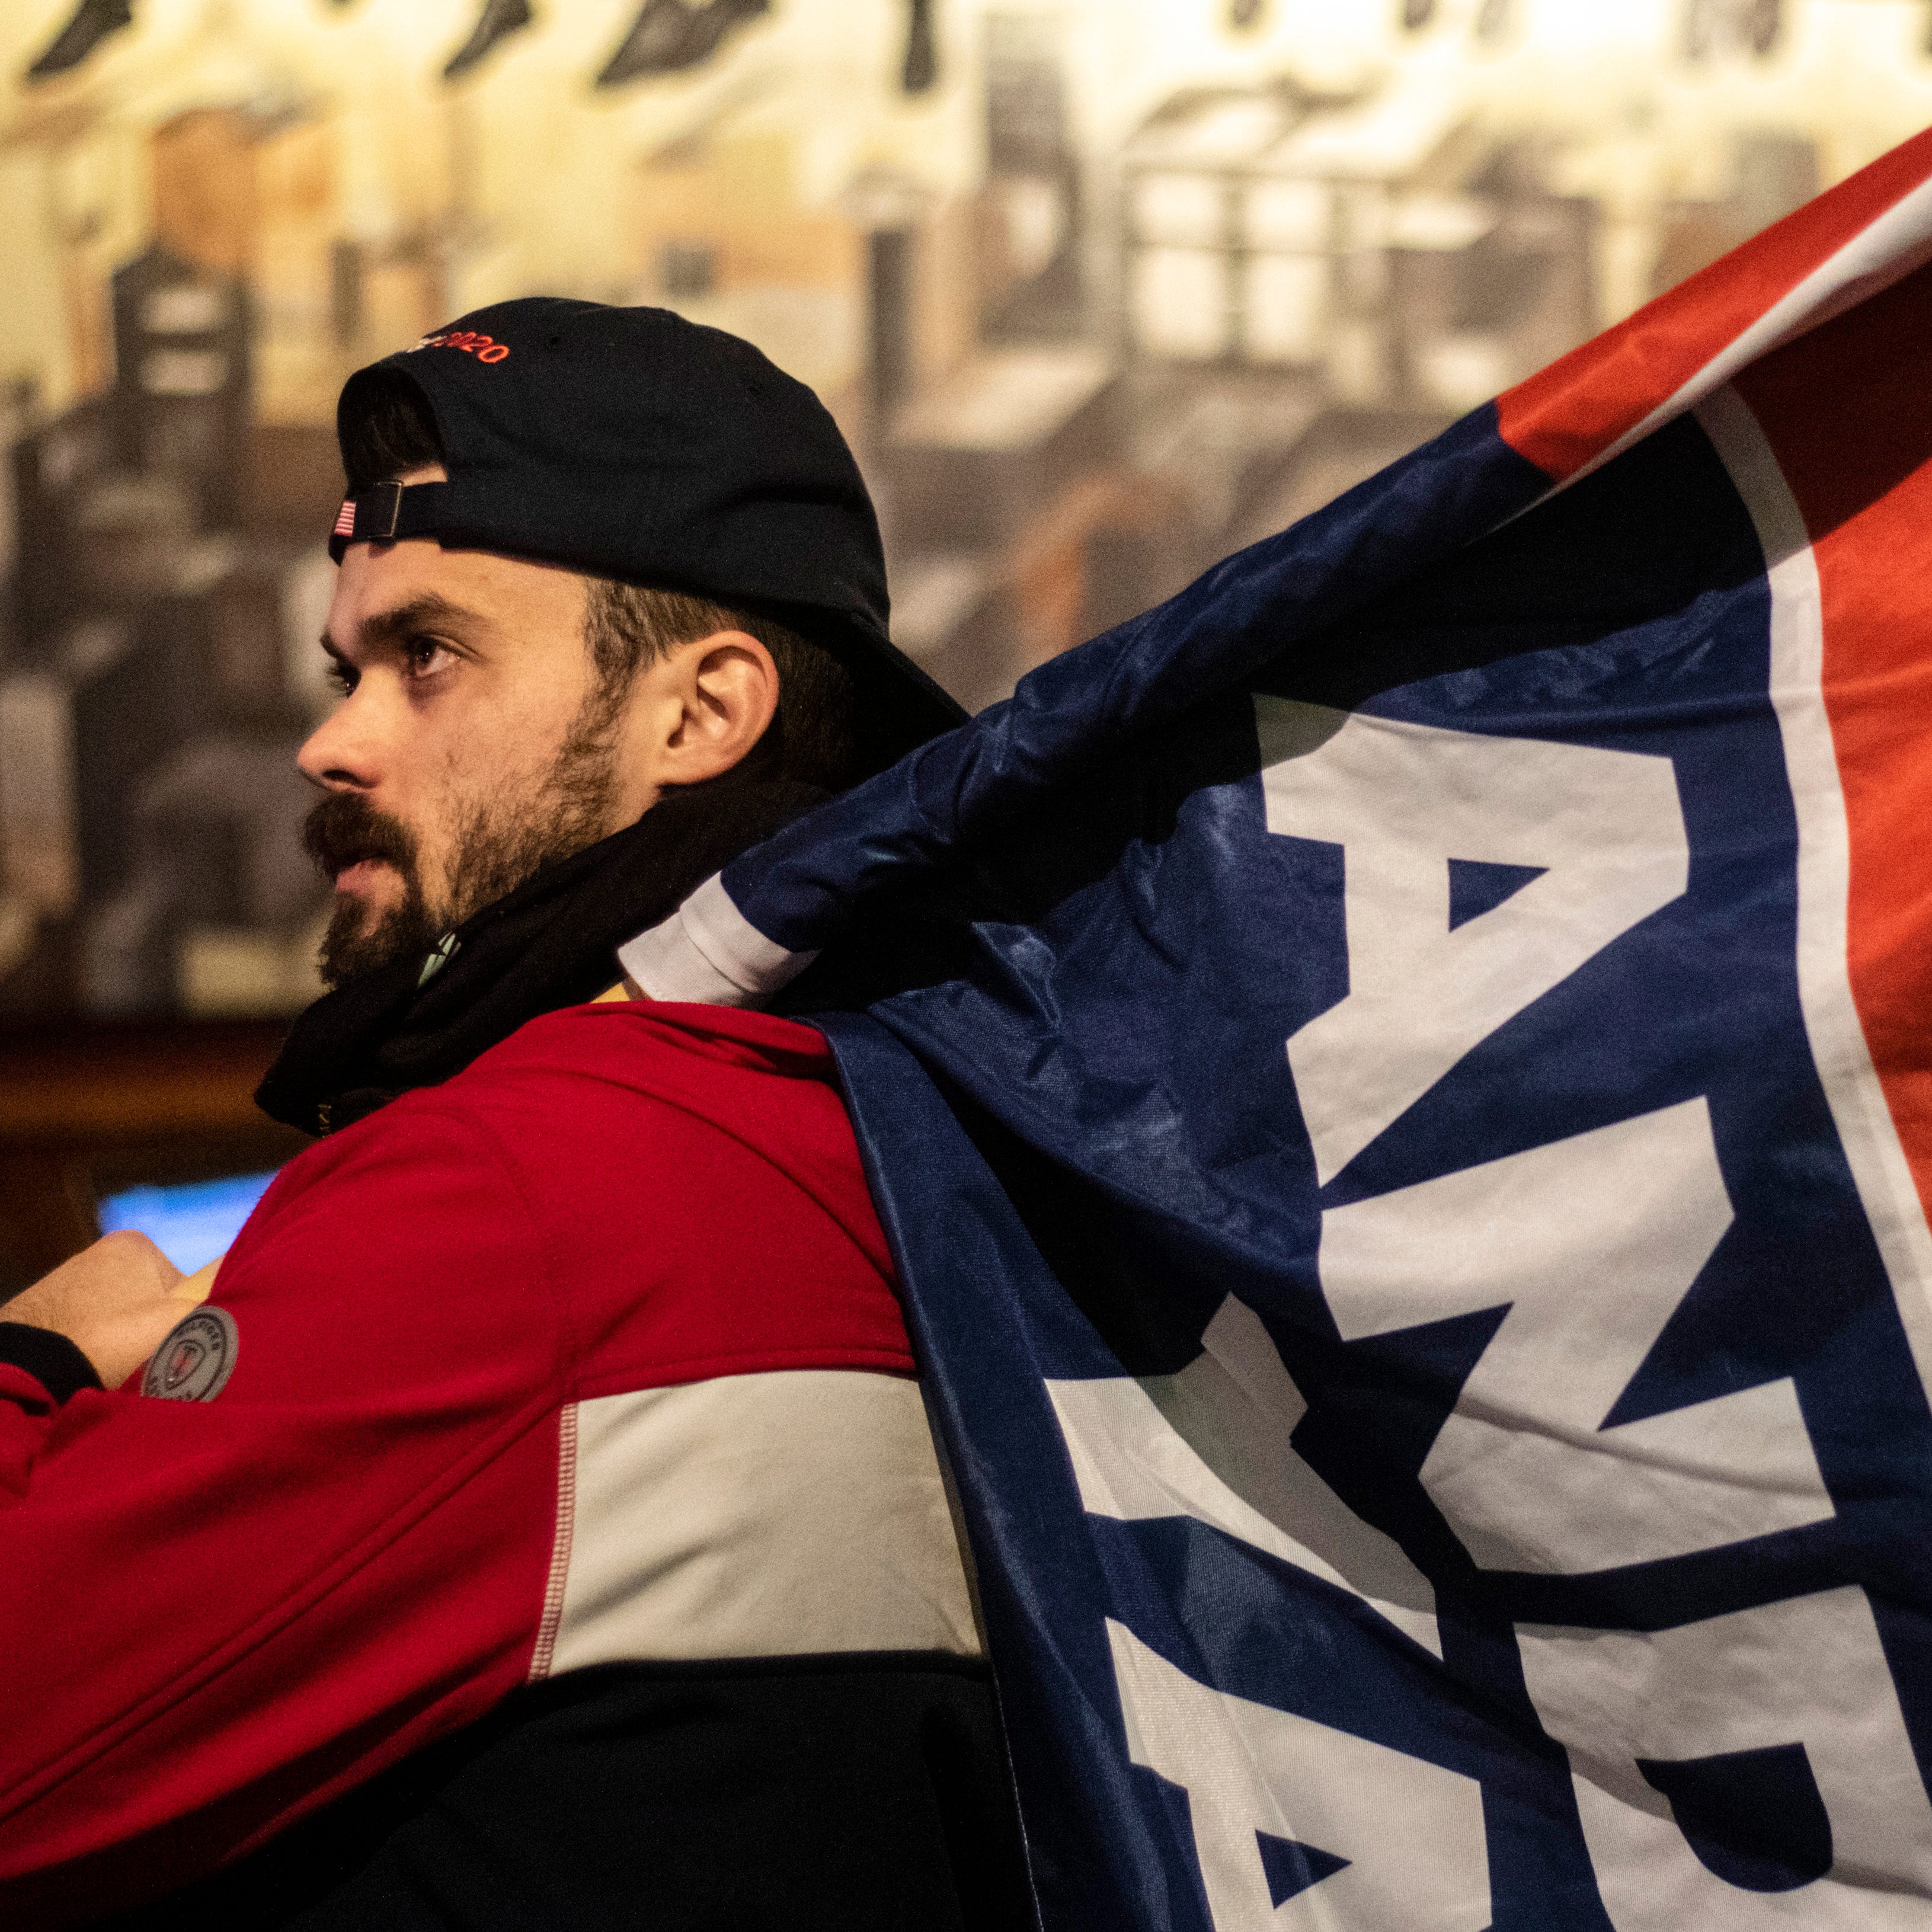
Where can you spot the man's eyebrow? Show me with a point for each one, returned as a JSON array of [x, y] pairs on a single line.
[[385, 626]]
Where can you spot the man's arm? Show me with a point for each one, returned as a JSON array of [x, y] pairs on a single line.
[[219, 1613], [114, 1301]]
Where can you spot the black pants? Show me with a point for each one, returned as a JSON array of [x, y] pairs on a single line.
[[867, 1793]]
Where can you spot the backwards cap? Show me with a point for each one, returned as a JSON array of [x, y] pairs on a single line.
[[629, 443]]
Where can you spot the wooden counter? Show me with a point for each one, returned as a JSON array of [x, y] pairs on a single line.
[[88, 1107]]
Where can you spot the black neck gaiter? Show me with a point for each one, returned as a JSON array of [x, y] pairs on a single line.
[[551, 943]]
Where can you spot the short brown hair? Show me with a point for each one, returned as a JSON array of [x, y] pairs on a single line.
[[812, 736]]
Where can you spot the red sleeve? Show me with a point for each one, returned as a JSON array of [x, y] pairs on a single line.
[[26, 1408], [218, 1614]]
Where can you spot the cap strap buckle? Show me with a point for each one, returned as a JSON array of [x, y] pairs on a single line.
[[384, 512], [386, 508]]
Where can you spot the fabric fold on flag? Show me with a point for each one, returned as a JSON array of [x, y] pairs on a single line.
[[795, 892]]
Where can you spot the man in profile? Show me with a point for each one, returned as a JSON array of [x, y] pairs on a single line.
[[538, 1524]]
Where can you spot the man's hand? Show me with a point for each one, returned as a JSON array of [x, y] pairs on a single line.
[[114, 1301]]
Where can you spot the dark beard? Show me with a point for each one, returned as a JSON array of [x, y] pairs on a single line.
[[500, 843], [503, 841], [344, 828], [550, 943]]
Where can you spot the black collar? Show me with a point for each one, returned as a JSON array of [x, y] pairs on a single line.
[[551, 943]]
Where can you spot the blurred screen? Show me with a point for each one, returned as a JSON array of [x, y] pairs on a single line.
[[191, 1224]]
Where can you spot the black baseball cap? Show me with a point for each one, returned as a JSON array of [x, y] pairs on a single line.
[[630, 443]]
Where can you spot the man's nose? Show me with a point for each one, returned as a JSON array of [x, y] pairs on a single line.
[[340, 754]]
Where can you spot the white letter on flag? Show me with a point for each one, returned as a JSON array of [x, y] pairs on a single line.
[[1299, 1828], [1591, 1243], [1403, 800], [1836, 1837]]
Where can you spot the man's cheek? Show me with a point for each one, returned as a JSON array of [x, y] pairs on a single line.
[[434, 863]]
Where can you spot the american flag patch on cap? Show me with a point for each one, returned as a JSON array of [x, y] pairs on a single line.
[[345, 519]]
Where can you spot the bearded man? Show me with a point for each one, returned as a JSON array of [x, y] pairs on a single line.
[[538, 1526]]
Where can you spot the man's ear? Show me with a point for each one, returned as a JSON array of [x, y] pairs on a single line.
[[725, 687]]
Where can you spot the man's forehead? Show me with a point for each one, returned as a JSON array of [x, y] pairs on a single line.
[[369, 606], [380, 587], [392, 618]]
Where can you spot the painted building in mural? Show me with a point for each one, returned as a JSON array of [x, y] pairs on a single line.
[[1099, 290]]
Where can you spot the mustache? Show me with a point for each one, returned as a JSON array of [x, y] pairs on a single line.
[[345, 827]]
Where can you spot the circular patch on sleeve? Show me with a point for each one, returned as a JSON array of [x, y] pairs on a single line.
[[194, 1364]]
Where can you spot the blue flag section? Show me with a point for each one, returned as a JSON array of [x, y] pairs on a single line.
[[1409, 1181], [1342, 1316]]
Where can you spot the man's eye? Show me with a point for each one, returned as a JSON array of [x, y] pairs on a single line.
[[342, 676], [425, 655]]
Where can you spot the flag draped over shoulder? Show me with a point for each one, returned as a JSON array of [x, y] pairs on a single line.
[[1410, 1190]]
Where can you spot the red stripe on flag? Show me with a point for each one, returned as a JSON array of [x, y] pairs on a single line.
[[1577, 407], [345, 519], [1848, 411]]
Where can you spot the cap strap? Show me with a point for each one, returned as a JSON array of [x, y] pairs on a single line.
[[387, 512]]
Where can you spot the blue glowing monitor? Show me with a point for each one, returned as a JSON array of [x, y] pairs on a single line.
[[191, 1224]]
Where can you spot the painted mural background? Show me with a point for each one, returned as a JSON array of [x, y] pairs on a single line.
[[1099, 290]]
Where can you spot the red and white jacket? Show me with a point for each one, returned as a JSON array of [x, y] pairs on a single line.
[[590, 1355]]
